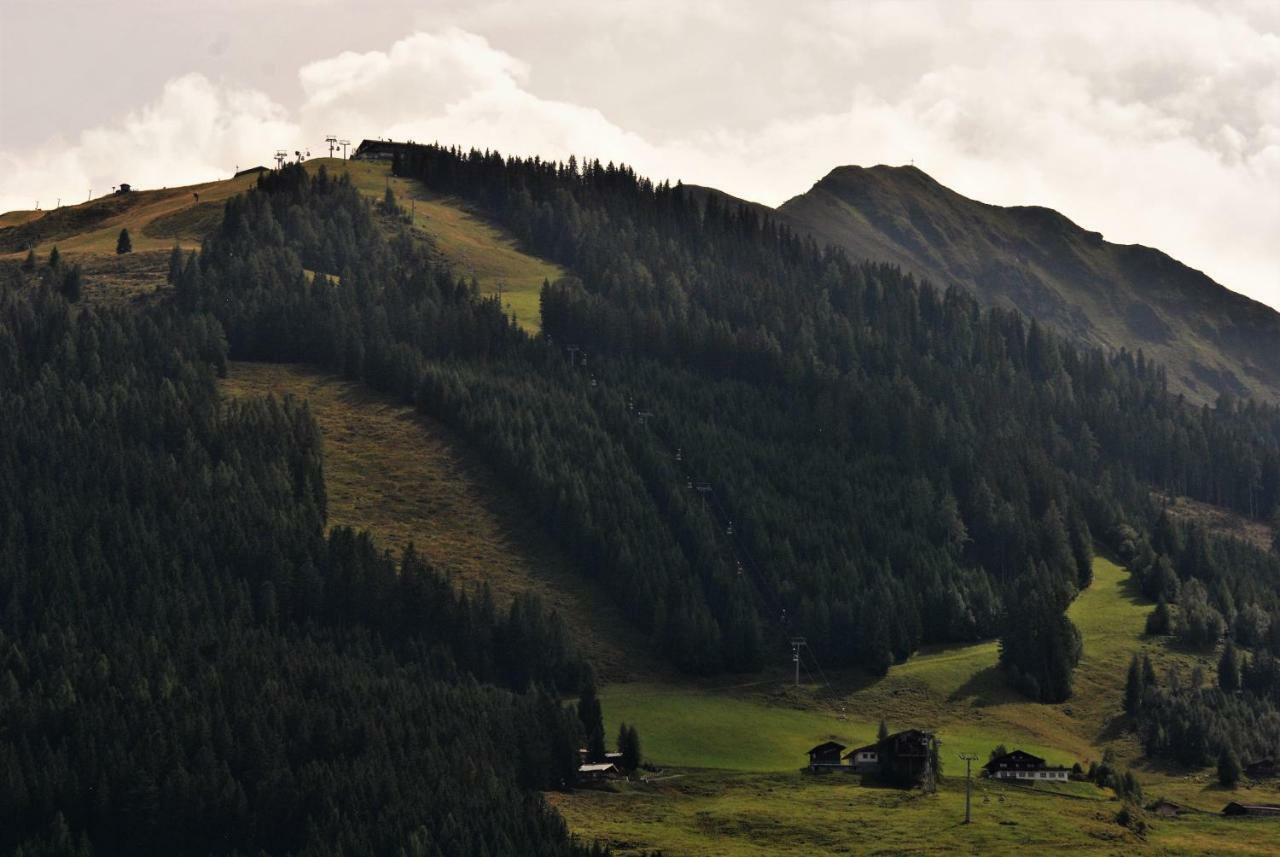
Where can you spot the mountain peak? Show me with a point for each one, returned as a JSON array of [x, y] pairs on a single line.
[[1038, 261]]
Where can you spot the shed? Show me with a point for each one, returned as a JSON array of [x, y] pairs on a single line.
[[1234, 808]]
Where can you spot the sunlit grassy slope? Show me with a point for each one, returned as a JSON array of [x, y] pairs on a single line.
[[475, 247], [732, 755], [157, 219], [956, 691], [409, 479], [721, 814]]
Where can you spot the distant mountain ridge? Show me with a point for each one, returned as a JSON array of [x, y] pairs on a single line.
[[1034, 259]]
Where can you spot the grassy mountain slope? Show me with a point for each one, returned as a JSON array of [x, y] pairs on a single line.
[[406, 478], [473, 246], [1211, 339], [732, 787], [157, 219]]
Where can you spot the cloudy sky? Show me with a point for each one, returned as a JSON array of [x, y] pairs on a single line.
[[1152, 122]]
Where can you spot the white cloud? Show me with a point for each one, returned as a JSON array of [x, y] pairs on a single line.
[[1153, 123]]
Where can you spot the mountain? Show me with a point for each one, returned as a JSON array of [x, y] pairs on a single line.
[[1034, 259]]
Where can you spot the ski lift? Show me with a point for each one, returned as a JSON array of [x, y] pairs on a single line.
[[679, 454], [689, 484], [729, 529]]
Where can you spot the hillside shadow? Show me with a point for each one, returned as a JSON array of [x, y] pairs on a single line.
[[985, 687]]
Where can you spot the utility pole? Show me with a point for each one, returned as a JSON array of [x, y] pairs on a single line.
[[797, 643], [572, 349], [968, 784]]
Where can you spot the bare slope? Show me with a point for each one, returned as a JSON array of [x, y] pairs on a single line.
[[409, 479], [1211, 339]]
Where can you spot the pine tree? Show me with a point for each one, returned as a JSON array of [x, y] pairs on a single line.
[[71, 284], [1159, 622], [1228, 767], [29, 263], [1133, 688], [592, 719], [883, 732], [1148, 672], [124, 244], [55, 258], [1229, 669], [175, 264], [629, 747]]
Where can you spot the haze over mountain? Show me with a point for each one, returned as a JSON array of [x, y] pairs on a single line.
[[1212, 340]]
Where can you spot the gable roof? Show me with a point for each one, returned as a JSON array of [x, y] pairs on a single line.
[[870, 748], [1020, 756], [827, 747]]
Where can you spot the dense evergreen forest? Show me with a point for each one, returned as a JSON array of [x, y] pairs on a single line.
[[888, 464], [189, 665]]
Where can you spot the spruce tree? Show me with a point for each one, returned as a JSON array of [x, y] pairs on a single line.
[[883, 732], [592, 719], [1229, 669], [55, 258], [1133, 688], [175, 264], [1228, 767], [629, 747], [29, 263], [71, 284], [124, 244]]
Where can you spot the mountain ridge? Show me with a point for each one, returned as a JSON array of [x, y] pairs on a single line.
[[1037, 260]]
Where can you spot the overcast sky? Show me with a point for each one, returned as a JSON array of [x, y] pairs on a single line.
[[1156, 123]]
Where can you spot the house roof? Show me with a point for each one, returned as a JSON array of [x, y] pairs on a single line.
[[1017, 756], [870, 748], [827, 747], [598, 767]]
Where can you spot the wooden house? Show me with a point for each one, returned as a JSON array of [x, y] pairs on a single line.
[[825, 756], [1021, 765], [597, 772], [906, 758], [864, 760]]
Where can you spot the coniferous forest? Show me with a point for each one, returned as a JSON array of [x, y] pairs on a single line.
[[190, 665], [751, 437], [896, 465]]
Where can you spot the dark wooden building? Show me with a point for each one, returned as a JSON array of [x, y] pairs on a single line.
[[1261, 769], [1234, 808], [825, 755], [377, 150], [907, 758]]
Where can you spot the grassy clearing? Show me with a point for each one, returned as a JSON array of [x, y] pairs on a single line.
[[726, 815], [475, 247], [409, 479], [956, 691], [736, 749], [91, 228]]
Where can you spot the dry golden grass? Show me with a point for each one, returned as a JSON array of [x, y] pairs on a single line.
[[406, 478]]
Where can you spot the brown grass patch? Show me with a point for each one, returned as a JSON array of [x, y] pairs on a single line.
[[407, 478]]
